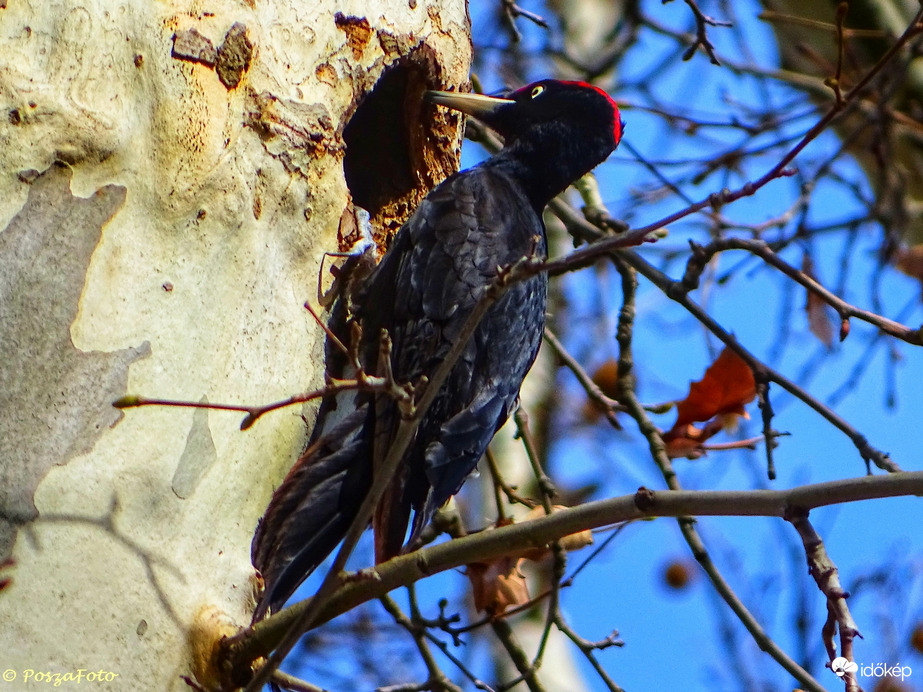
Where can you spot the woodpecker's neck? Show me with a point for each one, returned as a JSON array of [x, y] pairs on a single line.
[[546, 165]]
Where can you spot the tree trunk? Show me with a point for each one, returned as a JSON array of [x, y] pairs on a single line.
[[170, 180]]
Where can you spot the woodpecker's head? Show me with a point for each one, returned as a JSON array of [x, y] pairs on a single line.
[[549, 109]]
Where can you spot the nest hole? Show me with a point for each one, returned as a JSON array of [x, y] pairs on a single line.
[[397, 149]]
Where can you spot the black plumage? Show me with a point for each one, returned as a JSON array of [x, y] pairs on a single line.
[[422, 292]]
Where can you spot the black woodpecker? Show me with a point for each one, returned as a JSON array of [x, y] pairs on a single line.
[[421, 292]]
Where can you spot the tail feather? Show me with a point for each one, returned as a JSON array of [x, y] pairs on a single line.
[[311, 511]]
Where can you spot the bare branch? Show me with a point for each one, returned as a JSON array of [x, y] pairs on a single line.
[[826, 575], [511, 11], [587, 648], [701, 255], [486, 545], [606, 405], [701, 36]]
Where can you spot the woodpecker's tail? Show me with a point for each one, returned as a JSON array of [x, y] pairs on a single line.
[[311, 511]]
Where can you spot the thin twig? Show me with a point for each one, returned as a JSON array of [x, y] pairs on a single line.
[[606, 405], [527, 672], [559, 555], [293, 684], [701, 255], [365, 383], [605, 244], [545, 484], [510, 491], [511, 11], [587, 648], [825, 574], [437, 679], [835, 82], [701, 35], [762, 372]]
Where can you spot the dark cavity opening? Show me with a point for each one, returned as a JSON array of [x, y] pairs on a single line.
[[380, 161], [398, 147]]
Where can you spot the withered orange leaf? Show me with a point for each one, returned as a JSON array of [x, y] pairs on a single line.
[[689, 441], [498, 584], [727, 386], [684, 441], [816, 308]]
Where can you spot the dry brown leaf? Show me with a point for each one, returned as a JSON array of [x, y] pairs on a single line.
[[684, 441], [719, 398], [818, 312], [689, 441], [727, 386], [498, 584]]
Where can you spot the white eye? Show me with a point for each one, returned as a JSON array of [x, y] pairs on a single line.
[[537, 91]]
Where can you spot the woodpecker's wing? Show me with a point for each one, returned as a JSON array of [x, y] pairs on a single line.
[[423, 292]]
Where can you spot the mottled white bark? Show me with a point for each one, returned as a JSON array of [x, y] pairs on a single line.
[[162, 225]]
